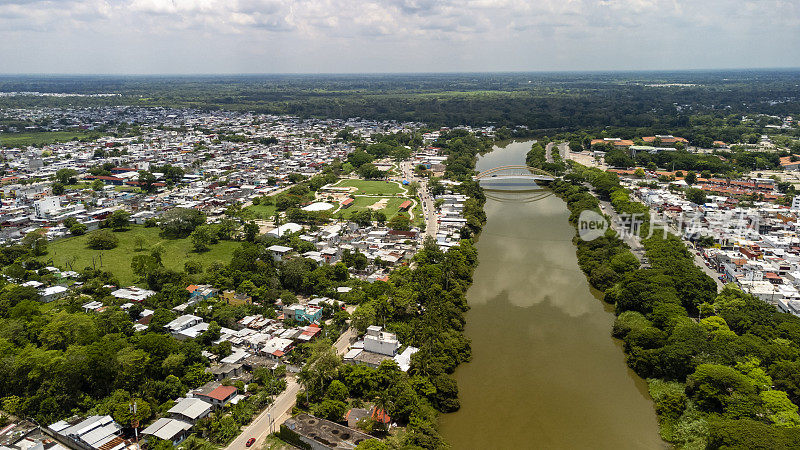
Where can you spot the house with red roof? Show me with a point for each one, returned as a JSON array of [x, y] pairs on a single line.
[[218, 396], [790, 163], [665, 139], [616, 142]]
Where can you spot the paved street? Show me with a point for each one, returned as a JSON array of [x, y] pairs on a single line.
[[634, 242], [428, 208], [548, 156], [281, 408]]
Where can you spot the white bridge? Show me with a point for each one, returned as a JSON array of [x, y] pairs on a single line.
[[514, 173]]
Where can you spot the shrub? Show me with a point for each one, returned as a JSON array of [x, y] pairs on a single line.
[[102, 240]]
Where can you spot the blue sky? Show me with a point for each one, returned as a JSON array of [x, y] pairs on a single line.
[[347, 36]]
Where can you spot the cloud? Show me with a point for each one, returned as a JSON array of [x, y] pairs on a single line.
[[503, 34]]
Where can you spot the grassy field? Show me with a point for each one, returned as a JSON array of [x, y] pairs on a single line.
[[260, 211], [362, 203], [44, 137], [371, 187], [118, 260]]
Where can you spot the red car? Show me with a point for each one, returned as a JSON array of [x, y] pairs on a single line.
[[250, 442]]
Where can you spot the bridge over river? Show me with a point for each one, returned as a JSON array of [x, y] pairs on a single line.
[[513, 176]]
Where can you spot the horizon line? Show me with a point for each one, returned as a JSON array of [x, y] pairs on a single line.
[[508, 72]]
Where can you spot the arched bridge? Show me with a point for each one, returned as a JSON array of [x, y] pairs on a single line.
[[514, 173]]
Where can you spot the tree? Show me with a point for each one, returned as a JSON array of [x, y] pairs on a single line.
[[58, 188], [142, 265], [380, 217], [780, 410], [696, 196], [119, 220], [192, 267], [139, 241], [332, 410], [369, 171], [180, 222], [250, 231], [296, 177], [147, 181], [400, 222], [749, 434], [363, 317], [691, 178], [98, 185], [124, 415], [66, 176], [203, 237], [372, 444], [36, 242], [363, 217], [102, 240], [717, 387], [358, 158], [78, 229], [337, 391]]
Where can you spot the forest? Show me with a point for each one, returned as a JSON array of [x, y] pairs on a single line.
[[660, 101]]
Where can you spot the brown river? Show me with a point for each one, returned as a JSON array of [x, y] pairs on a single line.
[[545, 371]]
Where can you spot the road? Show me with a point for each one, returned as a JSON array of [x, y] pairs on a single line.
[[563, 149], [634, 242], [428, 208], [548, 156], [281, 408]]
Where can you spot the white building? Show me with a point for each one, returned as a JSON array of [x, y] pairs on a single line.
[[379, 341], [46, 205]]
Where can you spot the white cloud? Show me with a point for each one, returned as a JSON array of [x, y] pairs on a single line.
[[457, 35]]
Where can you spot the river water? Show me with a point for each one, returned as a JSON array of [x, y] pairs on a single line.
[[545, 371]]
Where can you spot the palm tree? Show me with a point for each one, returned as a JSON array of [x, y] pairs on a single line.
[[305, 377], [382, 404]]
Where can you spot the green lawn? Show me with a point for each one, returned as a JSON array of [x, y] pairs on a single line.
[[371, 187], [78, 186], [118, 260], [44, 137], [259, 212], [361, 203], [418, 216]]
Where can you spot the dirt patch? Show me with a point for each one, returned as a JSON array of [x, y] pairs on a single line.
[[379, 205]]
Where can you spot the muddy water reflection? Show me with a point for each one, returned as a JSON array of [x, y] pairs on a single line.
[[545, 371]]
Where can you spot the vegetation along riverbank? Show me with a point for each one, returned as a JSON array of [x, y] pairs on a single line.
[[723, 369]]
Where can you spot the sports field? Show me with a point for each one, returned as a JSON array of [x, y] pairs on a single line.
[[371, 187]]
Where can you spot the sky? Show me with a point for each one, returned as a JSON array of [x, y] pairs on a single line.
[[382, 36]]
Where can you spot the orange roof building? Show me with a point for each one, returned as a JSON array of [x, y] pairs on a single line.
[[665, 139], [616, 142]]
